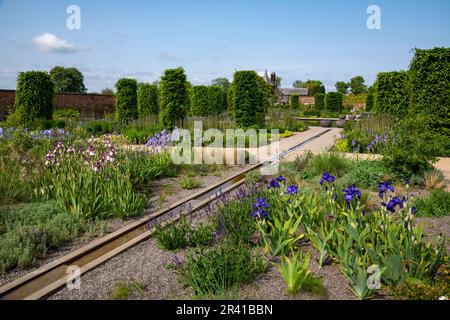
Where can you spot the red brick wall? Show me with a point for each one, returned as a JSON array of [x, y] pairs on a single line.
[[89, 105]]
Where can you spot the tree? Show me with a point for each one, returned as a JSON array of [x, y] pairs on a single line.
[[200, 102], [126, 100], [319, 101], [248, 104], [357, 85], [295, 102], [34, 97], [147, 99], [391, 94], [67, 79], [108, 91], [369, 99], [299, 84], [173, 97], [221, 82], [341, 87], [334, 101]]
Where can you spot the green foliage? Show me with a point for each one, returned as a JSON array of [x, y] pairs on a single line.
[[370, 99], [190, 183], [99, 127], [108, 91], [67, 80], [217, 99], [202, 236], [436, 204], [430, 87], [200, 101], [34, 97], [28, 232], [391, 94], [342, 87], [334, 101], [357, 85], [319, 102], [173, 97], [366, 173], [125, 290], [315, 87], [295, 271], [224, 83], [248, 104], [328, 162], [212, 271], [147, 99], [413, 149], [12, 187], [174, 236], [66, 114], [126, 100], [295, 102]]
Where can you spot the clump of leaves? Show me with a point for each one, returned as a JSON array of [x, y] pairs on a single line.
[[173, 236], [436, 204], [214, 270], [202, 236], [190, 183], [125, 290]]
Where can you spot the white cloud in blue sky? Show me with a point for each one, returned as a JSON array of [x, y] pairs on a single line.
[[48, 42]]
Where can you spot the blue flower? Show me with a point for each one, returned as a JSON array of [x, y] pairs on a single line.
[[394, 202], [383, 187], [260, 205], [353, 142], [292, 190], [281, 179], [350, 193], [273, 184], [327, 177]]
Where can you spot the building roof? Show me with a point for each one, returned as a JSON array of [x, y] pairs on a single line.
[[292, 91]]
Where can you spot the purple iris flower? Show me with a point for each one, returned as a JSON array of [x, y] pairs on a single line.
[[281, 179], [273, 184], [383, 187], [327, 177], [260, 205], [292, 190], [394, 202], [350, 193], [379, 138]]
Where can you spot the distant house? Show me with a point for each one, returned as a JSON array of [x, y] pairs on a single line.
[[284, 94]]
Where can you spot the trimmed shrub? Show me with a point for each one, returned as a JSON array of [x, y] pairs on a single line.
[[173, 97], [430, 87], [334, 101], [147, 96], [369, 99], [319, 101], [230, 94], [200, 102], [248, 106], [391, 94], [34, 97], [126, 100], [217, 99], [295, 102]]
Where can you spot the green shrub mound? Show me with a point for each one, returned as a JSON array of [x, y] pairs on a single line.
[[295, 102], [126, 100], [391, 94], [34, 97]]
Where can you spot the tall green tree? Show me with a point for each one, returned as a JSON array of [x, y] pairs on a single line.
[[342, 87], [126, 100], [357, 85], [173, 97], [221, 82], [147, 99], [67, 80], [248, 99]]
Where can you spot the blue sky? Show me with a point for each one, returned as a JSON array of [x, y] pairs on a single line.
[[326, 40]]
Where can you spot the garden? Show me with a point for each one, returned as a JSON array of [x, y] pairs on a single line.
[[366, 219]]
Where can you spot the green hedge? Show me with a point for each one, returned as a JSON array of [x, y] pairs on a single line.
[[147, 96], [319, 101], [200, 101], [34, 97], [334, 101], [218, 99], [126, 100], [369, 99], [173, 97], [430, 86], [295, 101], [248, 99], [391, 94]]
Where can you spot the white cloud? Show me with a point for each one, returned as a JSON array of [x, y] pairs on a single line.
[[48, 42], [169, 57]]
